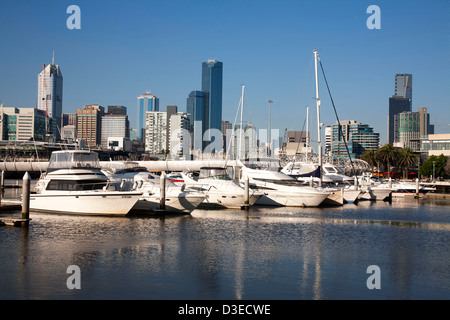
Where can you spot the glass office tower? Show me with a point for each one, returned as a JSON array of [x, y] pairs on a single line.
[[403, 85], [50, 89], [212, 75], [145, 102], [401, 101], [397, 105]]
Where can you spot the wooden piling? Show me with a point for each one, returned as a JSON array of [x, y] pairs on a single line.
[[246, 194], [2, 183], [162, 199], [1, 186]]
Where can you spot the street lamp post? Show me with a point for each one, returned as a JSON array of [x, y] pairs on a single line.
[[269, 142], [434, 171]]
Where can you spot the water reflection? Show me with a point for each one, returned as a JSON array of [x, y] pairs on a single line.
[[262, 253]]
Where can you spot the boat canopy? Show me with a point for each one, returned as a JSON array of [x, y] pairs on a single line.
[[214, 173], [73, 159]]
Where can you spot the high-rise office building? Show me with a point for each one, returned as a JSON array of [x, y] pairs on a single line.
[[69, 119], [403, 85], [412, 128], [50, 94], [170, 111], [226, 133], [22, 124], [117, 110], [89, 124], [354, 136], [212, 74], [114, 125], [145, 102], [195, 106], [401, 101]]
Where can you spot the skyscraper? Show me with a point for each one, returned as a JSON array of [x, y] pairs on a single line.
[[170, 111], [50, 89], [399, 102], [89, 124], [195, 106], [212, 75], [115, 124], [403, 85], [355, 136], [145, 102], [396, 105], [413, 127]]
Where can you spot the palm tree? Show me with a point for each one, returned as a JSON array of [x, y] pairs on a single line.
[[370, 157], [406, 158], [387, 154]]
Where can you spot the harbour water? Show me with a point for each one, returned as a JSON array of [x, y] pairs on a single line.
[[259, 254]]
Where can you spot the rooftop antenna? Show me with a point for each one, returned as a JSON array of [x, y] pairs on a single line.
[[53, 58]]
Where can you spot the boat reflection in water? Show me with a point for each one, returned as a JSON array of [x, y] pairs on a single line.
[[74, 184]]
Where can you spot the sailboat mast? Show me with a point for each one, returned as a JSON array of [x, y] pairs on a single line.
[[307, 132], [241, 129], [316, 56]]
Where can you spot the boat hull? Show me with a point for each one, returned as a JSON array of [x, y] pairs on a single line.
[[228, 200], [375, 194], [173, 204], [286, 199], [351, 195], [94, 203]]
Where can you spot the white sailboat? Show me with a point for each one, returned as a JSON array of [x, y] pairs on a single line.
[[74, 184]]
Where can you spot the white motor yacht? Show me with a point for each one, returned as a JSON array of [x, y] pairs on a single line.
[[129, 176], [74, 184], [222, 191], [398, 188], [371, 190], [282, 190]]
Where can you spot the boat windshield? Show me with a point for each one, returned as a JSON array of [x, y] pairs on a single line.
[[214, 173], [331, 169], [73, 160]]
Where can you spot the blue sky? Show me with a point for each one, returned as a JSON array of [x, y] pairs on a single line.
[[127, 47]]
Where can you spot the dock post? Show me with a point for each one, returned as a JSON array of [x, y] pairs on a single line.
[[417, 187], [390, 183], [1, 186], [2, 183], [162, 199], [247, 193], [26, 197]]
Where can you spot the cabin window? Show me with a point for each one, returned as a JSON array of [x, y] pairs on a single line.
[[75, 185]]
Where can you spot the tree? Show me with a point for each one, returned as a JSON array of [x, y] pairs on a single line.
[[387, 155], [370, 157], [405, 159], [426, 169]]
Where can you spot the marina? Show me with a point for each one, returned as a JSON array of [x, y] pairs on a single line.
[[273, 253]]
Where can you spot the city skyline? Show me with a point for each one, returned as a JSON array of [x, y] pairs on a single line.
[[265, 45]]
